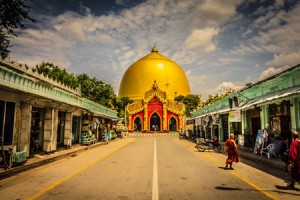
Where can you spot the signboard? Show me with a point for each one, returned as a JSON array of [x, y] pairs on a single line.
[[241, 140], [258, 142], [234, 116], [216, 119]]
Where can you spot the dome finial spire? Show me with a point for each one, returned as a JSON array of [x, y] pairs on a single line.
[[154, 48]]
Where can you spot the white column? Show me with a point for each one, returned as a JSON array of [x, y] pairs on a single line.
[[68, 130], [24, 142], [50, 130], [295, 115]]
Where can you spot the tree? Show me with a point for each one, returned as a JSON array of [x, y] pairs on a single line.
[[12, 13], [249, 84], [179, 98], [120, 104], [191, 102], [97, 91], [55, 73], [91, 88], [218, 97]]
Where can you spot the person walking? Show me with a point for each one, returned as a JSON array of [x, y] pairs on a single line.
[[232, 151], [294, 156]]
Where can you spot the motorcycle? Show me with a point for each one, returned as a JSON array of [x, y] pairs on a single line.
[[207, 144]]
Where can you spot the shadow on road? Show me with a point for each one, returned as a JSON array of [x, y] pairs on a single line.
[[226, 188], [279, 189]]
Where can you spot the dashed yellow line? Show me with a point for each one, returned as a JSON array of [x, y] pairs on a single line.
[[75, 173], [236, 175]]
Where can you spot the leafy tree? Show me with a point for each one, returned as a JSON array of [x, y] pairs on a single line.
[[55, 73], [191, 102], [179, 98], [12, 13], [91, 88], [120, 104], [97, 90], [249, 84], [218, 97]]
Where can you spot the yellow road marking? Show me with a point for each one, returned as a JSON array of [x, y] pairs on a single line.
[[236, 175], [75, 173]]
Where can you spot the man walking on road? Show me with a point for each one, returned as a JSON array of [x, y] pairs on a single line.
[[294, 156], [232, 151]]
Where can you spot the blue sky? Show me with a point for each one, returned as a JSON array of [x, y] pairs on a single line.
[[219, 44]]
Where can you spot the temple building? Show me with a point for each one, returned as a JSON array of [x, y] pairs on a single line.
[[153, 82]]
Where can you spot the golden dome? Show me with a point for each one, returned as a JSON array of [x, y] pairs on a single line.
[[140, 76]]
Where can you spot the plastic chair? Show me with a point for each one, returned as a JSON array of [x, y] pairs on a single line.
[[269, 150]]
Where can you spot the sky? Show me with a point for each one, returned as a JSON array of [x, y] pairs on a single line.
[[219, 44]]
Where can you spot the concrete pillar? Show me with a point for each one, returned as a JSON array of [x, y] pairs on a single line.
[[181, 122], [130, 123], [295, 114], [244, 122], [220, 126], [165, 122], [50, 130], [68, 130], [264, 117], [24, 139], [146, 117]]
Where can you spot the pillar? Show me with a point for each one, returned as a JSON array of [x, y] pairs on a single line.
[[295, 114], [50, 130], [130, 123], [180, 122], [24, 139], [68, 130], [264, 117], [165, 122], [146, 128]]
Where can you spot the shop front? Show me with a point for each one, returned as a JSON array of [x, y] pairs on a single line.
[[76, 121], [61, 128], [37, 130], [280, 120], [251, 126]]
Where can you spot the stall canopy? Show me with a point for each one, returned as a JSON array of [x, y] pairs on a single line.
[[271, 96]]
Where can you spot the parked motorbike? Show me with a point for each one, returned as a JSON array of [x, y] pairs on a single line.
[[207, 144], [285, 159]]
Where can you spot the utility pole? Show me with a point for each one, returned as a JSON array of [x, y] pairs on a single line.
[[125, 119]]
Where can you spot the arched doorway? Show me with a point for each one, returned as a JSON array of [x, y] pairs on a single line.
[[137, 124], [172, 124], [155, 122]]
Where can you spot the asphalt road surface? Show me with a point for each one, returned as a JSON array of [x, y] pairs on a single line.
[[149, 167]]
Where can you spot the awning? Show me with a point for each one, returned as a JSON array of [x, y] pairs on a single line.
[[271, 96], [99, 114], [218, 111]]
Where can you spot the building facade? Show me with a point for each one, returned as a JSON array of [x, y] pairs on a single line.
[[38, 114], [155, 113], [153, 82], [272, 105]]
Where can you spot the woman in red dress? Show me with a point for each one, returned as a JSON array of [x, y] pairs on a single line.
[[294, 156], [232, 151]]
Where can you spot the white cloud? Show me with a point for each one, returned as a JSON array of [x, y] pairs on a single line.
[[223, 87], [217, 11], [105, 46], [291, 58], [202, 38], [271, 71], [276, 32]]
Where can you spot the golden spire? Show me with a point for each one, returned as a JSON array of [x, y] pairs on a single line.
[[154, 49]]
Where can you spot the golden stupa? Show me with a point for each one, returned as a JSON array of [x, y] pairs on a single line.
[[140, 76]]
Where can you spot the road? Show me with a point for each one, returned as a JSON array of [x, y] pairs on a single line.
[[149, 167]]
